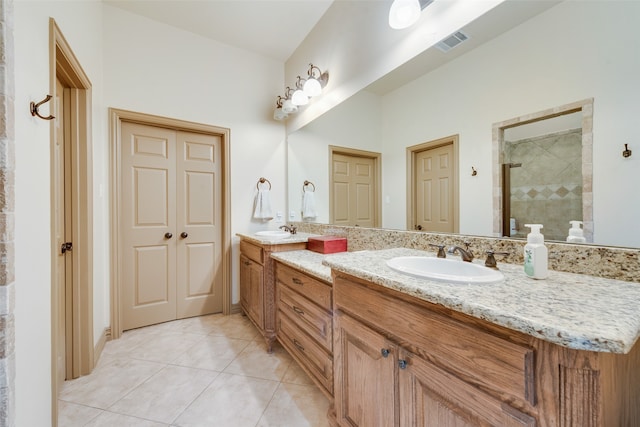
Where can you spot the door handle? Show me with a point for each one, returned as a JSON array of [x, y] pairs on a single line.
[[418, 227], [184, 234], [168, 235]]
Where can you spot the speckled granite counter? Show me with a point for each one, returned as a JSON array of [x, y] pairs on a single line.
[[261, 240], [576, 311], [307, 261]]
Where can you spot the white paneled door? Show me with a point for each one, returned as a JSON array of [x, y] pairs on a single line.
[[171, 225], [435, 191]]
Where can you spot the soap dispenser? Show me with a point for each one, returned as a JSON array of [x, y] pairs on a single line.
[[576, 234], [535, 253]]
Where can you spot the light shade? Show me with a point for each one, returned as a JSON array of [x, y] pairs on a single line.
[[288, 107], [299, 98], [312, 87], [278, 114], [404, 13]]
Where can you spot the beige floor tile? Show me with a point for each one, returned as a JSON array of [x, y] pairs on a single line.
[[231, 400], [74, 415], [109, 382], [212, 352], [254, 361], [202, 325], [165, 395], [109, 419], [295, 405], [164, 347], [235, 326], [295, 375]]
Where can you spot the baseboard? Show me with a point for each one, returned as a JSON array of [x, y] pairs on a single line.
[[236, 308], [97, 351]]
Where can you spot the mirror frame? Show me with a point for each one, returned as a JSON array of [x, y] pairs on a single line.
[[586, 107]]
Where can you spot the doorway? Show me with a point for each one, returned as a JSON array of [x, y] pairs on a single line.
[[354, 198], [170, 208], [432, 186], [71, 217]]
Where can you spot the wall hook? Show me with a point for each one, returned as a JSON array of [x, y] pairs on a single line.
[[474, 172], [626, 152], [34, 108]]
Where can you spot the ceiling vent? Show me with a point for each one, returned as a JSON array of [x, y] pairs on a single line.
[[452, 41]]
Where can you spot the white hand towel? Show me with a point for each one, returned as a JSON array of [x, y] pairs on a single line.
[[308, 205], [263, 205]]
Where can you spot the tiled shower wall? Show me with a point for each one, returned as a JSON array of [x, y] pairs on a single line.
[[547, 188], [7, 208]]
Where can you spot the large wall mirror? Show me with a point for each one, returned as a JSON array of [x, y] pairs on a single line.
[[571, 52]]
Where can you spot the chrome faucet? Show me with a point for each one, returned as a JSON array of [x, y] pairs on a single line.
[[465, 254], [290, 228]]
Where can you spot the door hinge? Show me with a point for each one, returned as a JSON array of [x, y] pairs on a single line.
[[66, 246]]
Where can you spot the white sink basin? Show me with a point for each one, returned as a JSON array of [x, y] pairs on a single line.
[[274, 234], [445, 270]]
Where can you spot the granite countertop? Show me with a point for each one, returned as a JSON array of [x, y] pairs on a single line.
[[572, 310], [262, 240], [307, 261]]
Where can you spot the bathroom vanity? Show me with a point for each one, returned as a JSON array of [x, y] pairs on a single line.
[[411, 352], [257, 279]]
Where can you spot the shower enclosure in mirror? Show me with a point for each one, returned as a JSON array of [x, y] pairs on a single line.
[[544, 171]]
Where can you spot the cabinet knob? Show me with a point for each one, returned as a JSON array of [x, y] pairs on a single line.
[[184, 234], [385, 352], [402, 364], [168, 235]]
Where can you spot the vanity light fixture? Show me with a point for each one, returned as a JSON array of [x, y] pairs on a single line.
[[299, 97], [287, 105], [315, 82], [304, 90], [279, 114], [405, 13]]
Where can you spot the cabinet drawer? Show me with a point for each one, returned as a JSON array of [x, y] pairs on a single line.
[[306, 315], [252, 251], [314, 358], [313, 289], [479, 358]]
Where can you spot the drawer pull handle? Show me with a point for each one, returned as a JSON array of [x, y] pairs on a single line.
[[402, 364], [297, 344], [296, 281], [297, 310], [385, 352], [247, 263]]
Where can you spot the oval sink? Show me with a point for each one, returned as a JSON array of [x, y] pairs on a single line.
[[444, 270], [273, 234]]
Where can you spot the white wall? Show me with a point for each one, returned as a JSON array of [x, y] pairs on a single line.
[[153, 68], [574, 51], [138, 65], [81, 24]]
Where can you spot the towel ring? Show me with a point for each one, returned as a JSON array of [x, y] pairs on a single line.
[[262, 181], [306, 183]]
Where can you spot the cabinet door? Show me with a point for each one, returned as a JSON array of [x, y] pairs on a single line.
[[251, 290], [365, 375], [432, 397]]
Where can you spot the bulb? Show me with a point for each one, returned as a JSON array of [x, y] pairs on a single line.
[[288, 107], [404, 13], [278, 114], [299, 98], [312, 87]]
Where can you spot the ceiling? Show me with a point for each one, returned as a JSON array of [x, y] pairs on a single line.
[[266, 27]]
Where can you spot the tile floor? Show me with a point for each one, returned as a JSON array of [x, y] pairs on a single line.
[[203, 371]]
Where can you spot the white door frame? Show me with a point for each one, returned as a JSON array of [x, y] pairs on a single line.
[[116, 118]]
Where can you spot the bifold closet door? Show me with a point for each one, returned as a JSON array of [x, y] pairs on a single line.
[[169, 218]]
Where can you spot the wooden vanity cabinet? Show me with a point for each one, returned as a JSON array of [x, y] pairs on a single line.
[[305, 323], [257, 284], [400, 361]]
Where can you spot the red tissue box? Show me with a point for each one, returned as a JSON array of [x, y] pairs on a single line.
[[327, 244]]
